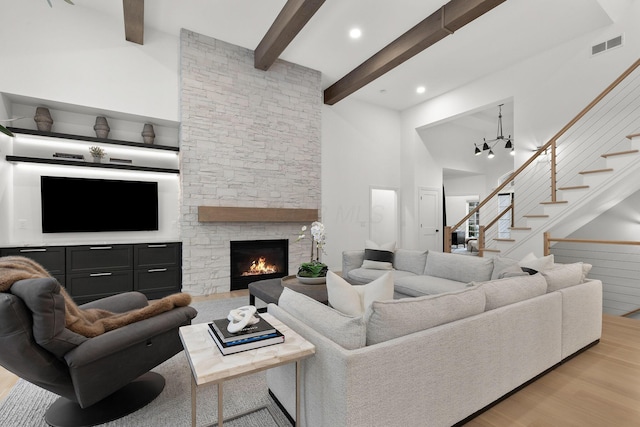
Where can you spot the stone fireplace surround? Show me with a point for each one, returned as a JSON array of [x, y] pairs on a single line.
[[249, 139]]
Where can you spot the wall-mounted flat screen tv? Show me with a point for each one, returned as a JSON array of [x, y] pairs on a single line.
[[73, 205]]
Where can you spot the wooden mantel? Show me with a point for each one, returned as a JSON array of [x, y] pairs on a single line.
[[236, 214]]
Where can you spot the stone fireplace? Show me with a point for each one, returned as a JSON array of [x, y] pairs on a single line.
[[253, 260]]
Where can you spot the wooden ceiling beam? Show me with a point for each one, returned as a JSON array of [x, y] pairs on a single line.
[[133, 20], [449, 18], [292, 18]]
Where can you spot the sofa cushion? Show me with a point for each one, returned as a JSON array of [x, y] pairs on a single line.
[[378, 257], [507, 291], [461, 268], [347, 331], [409, 260], [365, 275], [395, 318], [502, 266], [354, 300], [417, 286], [535, 263], [565, 275]]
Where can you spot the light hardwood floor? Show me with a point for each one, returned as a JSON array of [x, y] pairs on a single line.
[[599, 387]]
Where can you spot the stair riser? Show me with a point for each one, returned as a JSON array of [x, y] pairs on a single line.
[[620, 162], [595, 179], [552, 210], [571, 195]]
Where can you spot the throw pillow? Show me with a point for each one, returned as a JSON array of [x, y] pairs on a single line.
[[461, 268], [378, 257], [565, 275], [500, 264], [344, 330], [355, 300], [535, 263]]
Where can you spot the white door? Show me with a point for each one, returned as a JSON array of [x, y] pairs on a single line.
[[429, 211]]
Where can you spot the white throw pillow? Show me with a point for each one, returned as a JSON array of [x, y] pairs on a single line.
[[535, 263], [378, 257], [354, 300]]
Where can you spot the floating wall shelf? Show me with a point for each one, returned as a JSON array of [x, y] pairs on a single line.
[[236, 214], [92, 139], [88, 164]]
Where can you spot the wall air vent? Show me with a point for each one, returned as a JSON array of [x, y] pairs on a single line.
[[609, 44]]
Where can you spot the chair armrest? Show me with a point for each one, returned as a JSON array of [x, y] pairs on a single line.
[[119, 339], [119, 303], [351, 260]]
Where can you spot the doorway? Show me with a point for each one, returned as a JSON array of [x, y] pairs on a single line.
[[384, 223], [429, 215]]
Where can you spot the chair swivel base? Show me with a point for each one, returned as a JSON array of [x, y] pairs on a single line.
[[138, 393]]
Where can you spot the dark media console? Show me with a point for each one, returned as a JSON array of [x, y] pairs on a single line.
[[90, 272]]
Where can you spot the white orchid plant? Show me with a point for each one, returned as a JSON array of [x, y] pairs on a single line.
[[314, 268]]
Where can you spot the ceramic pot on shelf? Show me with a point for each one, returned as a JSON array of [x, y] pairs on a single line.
[[43, 119], [101, 127], [148, 135]]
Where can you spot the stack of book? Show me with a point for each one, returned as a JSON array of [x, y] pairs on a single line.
[[253, 336]]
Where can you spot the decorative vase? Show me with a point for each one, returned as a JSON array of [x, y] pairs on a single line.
[[43, 119], [101, 127], [311, 280], [148, 135], [97, 159]]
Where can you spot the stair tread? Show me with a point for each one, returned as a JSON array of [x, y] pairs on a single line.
[[596, 171], [520, 228], [633, 135], [620, 153], [504, 240], [535, 216], [557, 202], [490, 250], [575, 187]]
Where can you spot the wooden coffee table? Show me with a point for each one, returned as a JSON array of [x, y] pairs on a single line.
[[209, 366]]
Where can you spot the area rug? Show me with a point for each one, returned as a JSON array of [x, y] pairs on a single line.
[[26, 404]]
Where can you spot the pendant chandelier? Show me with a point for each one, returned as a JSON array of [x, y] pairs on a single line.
[[488, 145]]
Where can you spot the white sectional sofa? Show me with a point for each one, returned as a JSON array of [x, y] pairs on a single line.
[[417, 273], [435, 360]]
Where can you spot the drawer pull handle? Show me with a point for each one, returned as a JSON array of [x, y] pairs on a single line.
[[24, 251], [95, 248], [100, 274], [156, 270], [156, 246]]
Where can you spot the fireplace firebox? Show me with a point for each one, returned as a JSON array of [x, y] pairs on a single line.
[[253, 260]]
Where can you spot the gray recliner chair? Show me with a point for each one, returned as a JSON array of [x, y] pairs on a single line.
[[99, 379]]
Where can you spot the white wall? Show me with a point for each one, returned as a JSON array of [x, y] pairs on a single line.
[[76, 55], [360, 149], [548, 91]]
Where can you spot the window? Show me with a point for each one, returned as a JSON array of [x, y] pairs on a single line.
[[473, 223], [505, 222]]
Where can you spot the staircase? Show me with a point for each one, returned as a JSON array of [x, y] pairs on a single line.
[[597, 190], [590, 165]]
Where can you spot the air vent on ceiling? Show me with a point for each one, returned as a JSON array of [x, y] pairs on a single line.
[[609, 44]]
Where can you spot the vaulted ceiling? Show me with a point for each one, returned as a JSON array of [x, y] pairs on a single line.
[[508, 33]]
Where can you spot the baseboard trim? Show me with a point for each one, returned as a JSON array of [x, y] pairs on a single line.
[[517, 389]]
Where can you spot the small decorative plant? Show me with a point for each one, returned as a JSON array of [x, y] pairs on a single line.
[[97, 152], [314, 268]]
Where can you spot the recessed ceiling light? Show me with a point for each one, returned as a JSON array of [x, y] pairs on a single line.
[[355, 33], [421, 89]]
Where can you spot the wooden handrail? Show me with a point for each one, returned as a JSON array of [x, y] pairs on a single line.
[[551, 144], [548, 239], [507, 209]]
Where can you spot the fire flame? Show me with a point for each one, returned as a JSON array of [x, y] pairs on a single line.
[[260, 267]]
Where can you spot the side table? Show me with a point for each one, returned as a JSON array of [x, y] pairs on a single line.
[[209, 366]]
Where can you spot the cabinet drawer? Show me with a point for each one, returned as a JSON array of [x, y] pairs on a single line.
[[87, 287], [51, 258], [153, 280], [152, 255], [99, 257]]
